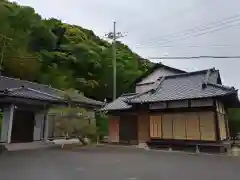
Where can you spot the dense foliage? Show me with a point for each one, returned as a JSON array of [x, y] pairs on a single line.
[[62, 55], [234, 121]]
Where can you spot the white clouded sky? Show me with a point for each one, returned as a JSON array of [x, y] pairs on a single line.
[[146, 21]]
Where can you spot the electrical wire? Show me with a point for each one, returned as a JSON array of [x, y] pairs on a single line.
[[194, 46], [181, 13], [197, 57], [202, 29], [204, 26]]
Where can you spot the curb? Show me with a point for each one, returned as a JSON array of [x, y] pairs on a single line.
[[165, 151]]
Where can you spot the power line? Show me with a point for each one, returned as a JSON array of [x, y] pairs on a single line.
[[203, 33], [197, 57], [205, 25], [182, 12], [199, 34], [195, 46], [202, 28], [114, 36]]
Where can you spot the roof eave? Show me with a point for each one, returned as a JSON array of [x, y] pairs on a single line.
[[88, 103], [156, 101], [36, 99]]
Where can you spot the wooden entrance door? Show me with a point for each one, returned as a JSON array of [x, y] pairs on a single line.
[[128, 130], [23, 126]]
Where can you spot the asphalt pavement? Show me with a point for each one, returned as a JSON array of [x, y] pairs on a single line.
[[115, 164]]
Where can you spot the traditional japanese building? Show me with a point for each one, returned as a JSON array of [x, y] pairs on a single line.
[[25, 107], [170, 106]]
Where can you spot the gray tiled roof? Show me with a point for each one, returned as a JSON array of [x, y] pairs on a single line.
[[185, 86], [119, 103], [9, 83], [177, 87], [12, 83], [85, 100], [30, 93]]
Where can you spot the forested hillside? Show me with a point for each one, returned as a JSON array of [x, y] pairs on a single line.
[[63, 55]]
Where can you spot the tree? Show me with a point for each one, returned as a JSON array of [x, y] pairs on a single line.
[[62, 54], [73, 121], [234, 121]]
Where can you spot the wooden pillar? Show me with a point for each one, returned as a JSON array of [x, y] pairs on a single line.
[[227, 125], [2, 127], [143, 127], [46, 128], [11, 114], [217, 128]]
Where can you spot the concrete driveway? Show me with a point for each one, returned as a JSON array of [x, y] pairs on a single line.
[[110, 164]]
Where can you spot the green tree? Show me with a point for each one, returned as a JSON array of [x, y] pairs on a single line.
[[73, 122], [234, 121], [64, 55]]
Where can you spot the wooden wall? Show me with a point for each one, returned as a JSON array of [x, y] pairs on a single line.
[[222, 120], [222, 126], [155, 126], [143, 127], [114, 129], [183, 126]]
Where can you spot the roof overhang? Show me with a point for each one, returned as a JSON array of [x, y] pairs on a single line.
[[230, 100]]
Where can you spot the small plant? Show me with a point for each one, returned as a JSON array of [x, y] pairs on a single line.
[[74, 122]]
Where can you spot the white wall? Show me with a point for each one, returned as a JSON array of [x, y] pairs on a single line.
[[148, 82], [5, 124], [38, 126], [156, 74]]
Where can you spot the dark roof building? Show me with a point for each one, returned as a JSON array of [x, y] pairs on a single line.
[[171, 107], [25, 109], [192, 85], [11, 87]]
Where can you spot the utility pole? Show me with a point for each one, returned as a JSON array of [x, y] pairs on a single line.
[[114, 36]]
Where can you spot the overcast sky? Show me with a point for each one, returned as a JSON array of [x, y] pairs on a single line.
[[147, 22]]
